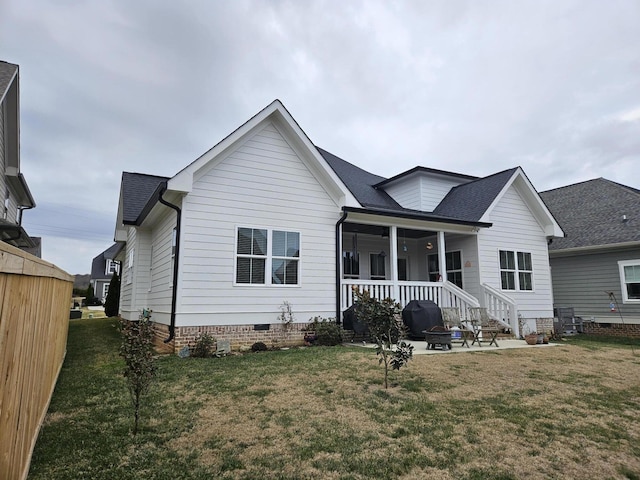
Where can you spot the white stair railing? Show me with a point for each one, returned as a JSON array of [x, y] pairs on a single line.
[[501, 308]]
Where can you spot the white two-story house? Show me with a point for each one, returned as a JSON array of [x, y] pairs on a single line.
[[266, 217]]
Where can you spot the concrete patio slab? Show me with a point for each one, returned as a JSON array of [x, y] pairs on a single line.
[[420, 347]]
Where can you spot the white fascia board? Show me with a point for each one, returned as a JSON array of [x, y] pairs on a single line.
[[317, 164], [520, 181], [183, 180]]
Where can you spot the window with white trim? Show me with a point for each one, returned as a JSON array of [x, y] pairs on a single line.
[[105, 291], [285, 252], [516, 270], [351, 264], [630, 280], [260, 250], [376, 263], [111, 267], [453, 261]]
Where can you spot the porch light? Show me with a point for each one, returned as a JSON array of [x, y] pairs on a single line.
[[382, 254], [429, 245]]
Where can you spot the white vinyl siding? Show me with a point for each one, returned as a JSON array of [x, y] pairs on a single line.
[[516, 229], [262, 182], [161, 267], [421, 191]]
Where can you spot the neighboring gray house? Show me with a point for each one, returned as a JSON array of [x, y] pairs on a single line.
[[601, 250], [266, 217], [14, 192], [102, 268]]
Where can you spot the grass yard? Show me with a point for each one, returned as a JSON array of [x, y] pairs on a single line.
[[569, 411]]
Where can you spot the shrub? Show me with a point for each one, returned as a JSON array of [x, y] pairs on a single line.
[[327, 332], [140, 367], [258, 347], [203, 346], [386, 329]]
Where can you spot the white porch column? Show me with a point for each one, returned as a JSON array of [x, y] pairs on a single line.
[[393, 260], [442, 261]]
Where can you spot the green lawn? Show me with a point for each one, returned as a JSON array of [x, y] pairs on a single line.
[[569, 411]]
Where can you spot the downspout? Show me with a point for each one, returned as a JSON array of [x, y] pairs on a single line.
[[338, 260], [174, 293]]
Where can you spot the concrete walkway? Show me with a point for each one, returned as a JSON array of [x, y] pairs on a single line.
[[420, 347]]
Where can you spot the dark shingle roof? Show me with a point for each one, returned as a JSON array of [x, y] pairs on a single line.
[[471, 200], [360, 182], [7, 71], [591, 213], [137, 189], [362, 185]]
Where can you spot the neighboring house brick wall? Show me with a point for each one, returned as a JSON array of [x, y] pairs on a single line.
[[581, 282], [262, 184], [516, 229]]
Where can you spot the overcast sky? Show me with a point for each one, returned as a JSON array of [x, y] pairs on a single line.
[[472, 87]]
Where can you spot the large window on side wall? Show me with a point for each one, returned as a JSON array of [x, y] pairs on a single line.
[[630, 280], [267, 257], [453, 262], [516, 270]]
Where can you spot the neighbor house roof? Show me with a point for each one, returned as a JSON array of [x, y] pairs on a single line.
[[137, 190], [592, 213]]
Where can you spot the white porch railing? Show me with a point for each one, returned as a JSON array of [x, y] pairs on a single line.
[[444, 294], [501, 308]]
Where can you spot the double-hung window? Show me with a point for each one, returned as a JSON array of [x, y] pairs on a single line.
[[630, 280], [453, 261], [111, 267], [516, 270], [376, 263], [351, 264], [285, 251], [260, 251]]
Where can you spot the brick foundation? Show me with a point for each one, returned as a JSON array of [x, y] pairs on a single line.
[[630, 330], [240, 336]]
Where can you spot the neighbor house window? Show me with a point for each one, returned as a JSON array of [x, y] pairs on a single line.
[[630, 280], [516, 270], [105, 291], [111, 267], [453, 261], [376, 262], [351, 264], [254, 257]]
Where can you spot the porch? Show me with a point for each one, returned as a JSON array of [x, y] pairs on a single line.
[[418, 261]]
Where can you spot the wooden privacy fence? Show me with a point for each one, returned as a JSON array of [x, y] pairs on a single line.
[[34, 321]]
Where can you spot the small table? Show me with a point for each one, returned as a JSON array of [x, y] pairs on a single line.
[[437, 337]]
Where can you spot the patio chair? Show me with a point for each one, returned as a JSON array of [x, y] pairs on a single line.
[[451, 319], [481, 322]]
